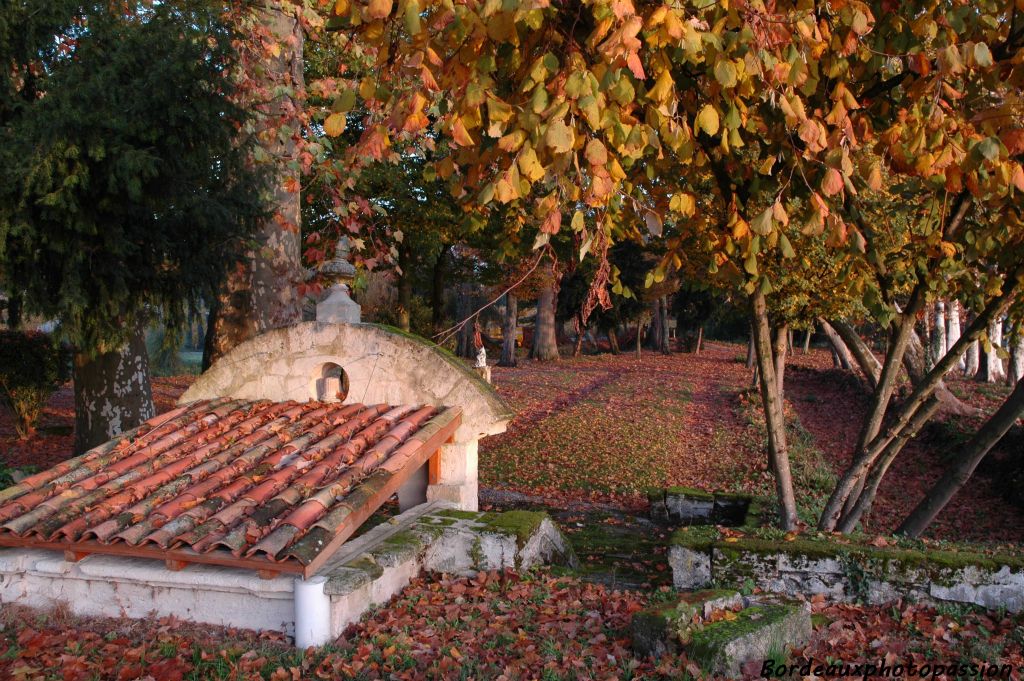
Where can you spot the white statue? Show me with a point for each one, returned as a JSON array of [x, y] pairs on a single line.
[[481, 357]]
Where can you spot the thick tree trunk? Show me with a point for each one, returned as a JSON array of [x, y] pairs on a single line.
[[440, 270], [779, 353], [112, 393], [953, 328], [545, 340], [914, 363], [840, 353], [778, 455], [509, 330], [261, 293], [654, 330], [404, 286], [991, 370], [966, 460]]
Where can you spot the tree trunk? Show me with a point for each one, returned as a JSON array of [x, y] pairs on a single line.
[[261, 293], [639, 336], [840, 352], [509, 330], [972, 360], [545, 340], [1016, 368], [654, 330], [868, 453], [779, 353], [664, 332], [751, 353], [581, 331], [464, 346], [913, 362], [953, 328], [778, 455], [991, 370], [807, 340], [112, 392], [404, 286], [966, 460], [440, 270], [700, 340], [938, 344], [613, 340], [854, 344], [14, 316]]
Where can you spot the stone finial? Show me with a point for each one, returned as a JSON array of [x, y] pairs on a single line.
[[338, 306]]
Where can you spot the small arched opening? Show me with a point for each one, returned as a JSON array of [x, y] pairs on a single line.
[[332, 383]]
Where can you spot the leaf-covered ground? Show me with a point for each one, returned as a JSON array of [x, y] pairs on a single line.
[[608, 428], [494, 627]]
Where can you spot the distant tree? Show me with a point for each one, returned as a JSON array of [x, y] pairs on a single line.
[[124, 186]]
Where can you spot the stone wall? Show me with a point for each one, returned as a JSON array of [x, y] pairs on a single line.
[[847, 572], [380, 365]]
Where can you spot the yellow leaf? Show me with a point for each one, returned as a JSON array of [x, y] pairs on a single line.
[[684, 204], [459, 133], [596, 153], [341, 7], [512, 141], [662, 90], [577, 221], [559, 137], [335, 124], [529, 166], [367, 88], [707, 120], [740, 228], [725, 73], [378, 9]]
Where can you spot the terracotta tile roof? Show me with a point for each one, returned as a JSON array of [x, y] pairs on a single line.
[[271, 485]]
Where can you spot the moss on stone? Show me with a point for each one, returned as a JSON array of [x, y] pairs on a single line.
[[706, 643], [459, 515], [695, 537], [522, 524], [690, 492]]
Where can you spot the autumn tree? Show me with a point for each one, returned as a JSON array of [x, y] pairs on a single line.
[[123, 183]]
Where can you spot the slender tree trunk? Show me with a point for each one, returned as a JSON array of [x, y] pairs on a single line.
[[613, 340], [654, 329], [938, 344], [509, 331], [840, 352], [807, 340], [639, 336], [953, 327], [991, 370], [855, 345], [779, 352], [1016, 368], [914, 363], [778, 455], [869, 452], [666, 342], [404, 286], [14, 316], [261, 293], [751, 352], [966, 460], [972, 360], [581, 331], [545, 340], [437, 279], [464, 346], [700, 340], [112, 392]]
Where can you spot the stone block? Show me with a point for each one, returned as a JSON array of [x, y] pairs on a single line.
[[691, 568], [756, 633], [660, 628]]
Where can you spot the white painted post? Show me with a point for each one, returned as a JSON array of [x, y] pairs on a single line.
[[312, 612]]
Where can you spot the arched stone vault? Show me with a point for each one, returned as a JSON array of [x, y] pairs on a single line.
[[382, 365]]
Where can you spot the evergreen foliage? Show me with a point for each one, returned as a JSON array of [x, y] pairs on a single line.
[[124, 186]]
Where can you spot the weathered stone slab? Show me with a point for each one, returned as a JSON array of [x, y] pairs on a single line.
[[688, 506], [660, 628], [756, 633]]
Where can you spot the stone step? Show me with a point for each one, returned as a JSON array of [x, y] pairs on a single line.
[[720, 630], [689, 506]]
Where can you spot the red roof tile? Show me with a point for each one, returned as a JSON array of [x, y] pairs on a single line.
[[277, 485]]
